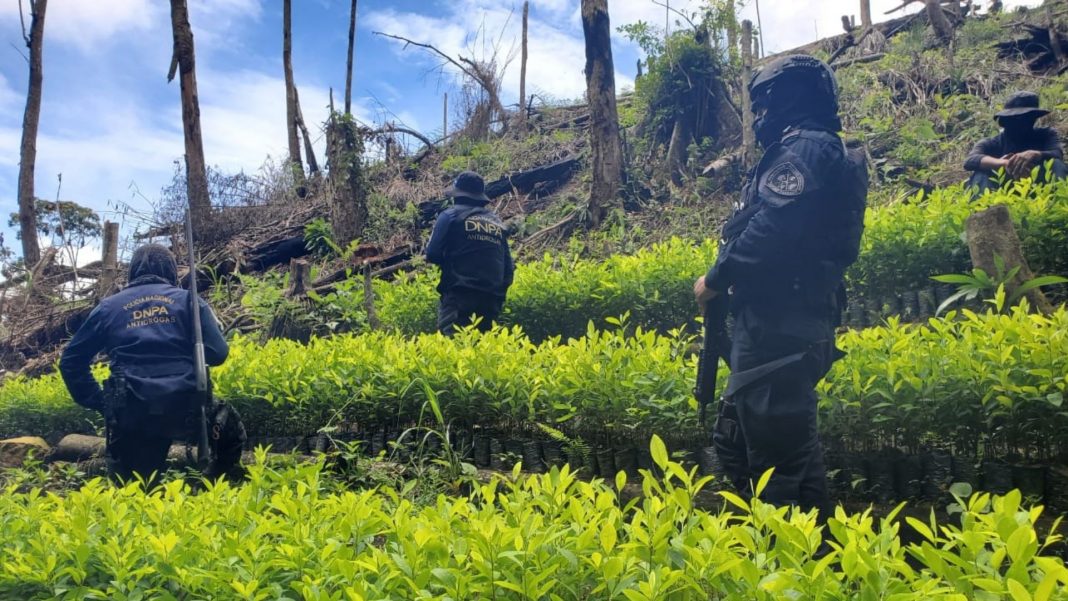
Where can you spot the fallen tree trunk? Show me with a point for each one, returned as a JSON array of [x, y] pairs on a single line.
[[275, 252], [522, 182]]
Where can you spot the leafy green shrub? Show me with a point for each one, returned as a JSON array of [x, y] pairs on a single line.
[[974, 383], [283, 535], [43, 406], [907, 243], [904, 244]]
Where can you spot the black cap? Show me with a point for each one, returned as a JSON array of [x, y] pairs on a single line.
[[1021, 103], [468, 185]]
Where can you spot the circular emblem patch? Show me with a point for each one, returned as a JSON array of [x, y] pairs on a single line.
[[785, 180]]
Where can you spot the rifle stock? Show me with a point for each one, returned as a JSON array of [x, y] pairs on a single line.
[[716, 345], [200, 365]]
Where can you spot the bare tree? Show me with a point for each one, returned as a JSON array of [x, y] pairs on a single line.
[[183, 61], [31, 252], [606, 150], [748, 135], [523, 71], [291, 93], [352, 46], [482, 74]]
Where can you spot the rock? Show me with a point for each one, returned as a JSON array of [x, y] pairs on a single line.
[[14, 451]]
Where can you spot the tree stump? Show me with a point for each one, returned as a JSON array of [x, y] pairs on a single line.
[[299, 278], [991, 234]]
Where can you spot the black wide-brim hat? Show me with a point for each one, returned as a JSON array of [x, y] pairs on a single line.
[[1022, 103], [468, 185]]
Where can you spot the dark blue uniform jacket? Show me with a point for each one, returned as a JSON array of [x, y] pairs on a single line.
[[146, 330], [799, 225], [470, 244]]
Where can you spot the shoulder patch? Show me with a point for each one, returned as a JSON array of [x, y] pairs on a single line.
[[785, 180]]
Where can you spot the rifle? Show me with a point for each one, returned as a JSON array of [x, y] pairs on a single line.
[[200, 366], [716, 344]]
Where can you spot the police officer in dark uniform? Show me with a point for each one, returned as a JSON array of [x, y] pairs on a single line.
[[1019, 148], [146, 330], [782, 260], [470, 244]]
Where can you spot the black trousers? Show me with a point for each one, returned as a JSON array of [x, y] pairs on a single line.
[[459, 309], [138, 441], [983, 181], [767, 418]]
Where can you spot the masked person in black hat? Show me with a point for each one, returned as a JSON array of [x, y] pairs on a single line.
[[1019, 148], [470, 244], [782, 259], [148, 401]]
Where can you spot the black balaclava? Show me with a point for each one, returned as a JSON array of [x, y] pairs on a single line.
[[153, 261], [1018, 127], [792, 99]]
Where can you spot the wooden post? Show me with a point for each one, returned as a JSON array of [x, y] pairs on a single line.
[[110, 263], [184, 62], [991, 234], [865, 14], [523, 72], [31, 251], [352, 46], [369, 299], [299, 277], [445, 116], [748, 135]]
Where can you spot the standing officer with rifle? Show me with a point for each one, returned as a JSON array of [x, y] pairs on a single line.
[[782, 260], [159, 347]]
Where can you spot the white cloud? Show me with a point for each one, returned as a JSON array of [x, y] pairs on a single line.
[[556, 48], [87, 23]]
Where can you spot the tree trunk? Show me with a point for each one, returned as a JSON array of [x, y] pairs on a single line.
[[605, 146], [348, 202], [31, 252], [309, 150], [523, 72], [748, 135], [938, 19], [865, 14], [110, 265], [184, 61], [291, 93], [992, 234], [352, 47]]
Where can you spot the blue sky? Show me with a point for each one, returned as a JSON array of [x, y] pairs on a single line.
[[111, 124]]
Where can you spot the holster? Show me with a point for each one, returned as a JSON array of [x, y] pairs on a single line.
[[115, 397]]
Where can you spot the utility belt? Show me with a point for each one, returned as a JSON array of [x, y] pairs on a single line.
[[123, 409]]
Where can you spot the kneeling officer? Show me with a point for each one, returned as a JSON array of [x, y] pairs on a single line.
[[149, 401]]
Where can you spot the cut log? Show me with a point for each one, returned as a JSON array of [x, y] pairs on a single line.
[[721, 165], [15, 451], [78, 447], [992, 234]]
